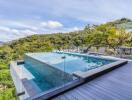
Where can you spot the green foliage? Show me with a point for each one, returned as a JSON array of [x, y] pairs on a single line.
[[119, 38], [7, 90], [8, 94], [3, 66], [97, 35], [4, 75]]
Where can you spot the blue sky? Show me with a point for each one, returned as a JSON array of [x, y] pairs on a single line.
[[19, 18]]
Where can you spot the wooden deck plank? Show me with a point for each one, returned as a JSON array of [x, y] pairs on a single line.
[[115, 85]]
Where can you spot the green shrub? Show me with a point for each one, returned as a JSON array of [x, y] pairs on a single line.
[[3, 66], [5, 75], [8, 94]]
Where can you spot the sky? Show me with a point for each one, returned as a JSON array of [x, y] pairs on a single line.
[[20, 18]]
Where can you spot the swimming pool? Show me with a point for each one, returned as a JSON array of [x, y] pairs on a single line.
[[55, 69], [59, 71], [70, 63]]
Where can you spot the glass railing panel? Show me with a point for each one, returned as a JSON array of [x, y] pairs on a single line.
[[49, 75]]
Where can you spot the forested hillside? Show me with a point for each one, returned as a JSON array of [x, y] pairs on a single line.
[[97, 35]]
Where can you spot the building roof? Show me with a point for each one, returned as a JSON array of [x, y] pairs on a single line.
[[115, 85]]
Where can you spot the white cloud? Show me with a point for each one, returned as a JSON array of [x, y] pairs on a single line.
[[7, 33], [2, 28], [7, 30], [15, 31], [75, 29], [52, 24], [27, 32]]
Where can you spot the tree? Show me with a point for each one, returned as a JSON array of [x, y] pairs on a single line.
[[118, 39]]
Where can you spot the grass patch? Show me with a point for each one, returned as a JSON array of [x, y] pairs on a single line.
[[7, 90], [8, 94]]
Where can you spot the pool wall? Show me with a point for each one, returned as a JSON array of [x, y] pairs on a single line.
[[18, 82], [51, 74]]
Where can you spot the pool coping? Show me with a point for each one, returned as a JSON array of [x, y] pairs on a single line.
[[100, 70]]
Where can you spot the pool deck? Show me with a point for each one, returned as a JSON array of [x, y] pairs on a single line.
[[115, 85]]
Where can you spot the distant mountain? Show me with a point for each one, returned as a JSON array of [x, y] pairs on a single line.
[[126, 26], [121, 21]]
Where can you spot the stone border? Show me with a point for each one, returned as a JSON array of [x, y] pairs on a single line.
[[100, 70]]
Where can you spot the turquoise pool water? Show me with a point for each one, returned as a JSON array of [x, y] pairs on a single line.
[[71, 63], [51, 70]]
